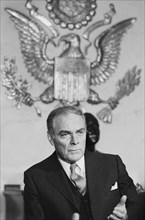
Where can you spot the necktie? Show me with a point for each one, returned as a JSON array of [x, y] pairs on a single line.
[[79, 181]]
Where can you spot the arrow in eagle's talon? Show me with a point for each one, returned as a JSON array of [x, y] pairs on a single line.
[[113, 102]]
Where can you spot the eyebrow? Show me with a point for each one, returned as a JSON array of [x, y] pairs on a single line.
[[64, 131], [81, 129], [69, 132]]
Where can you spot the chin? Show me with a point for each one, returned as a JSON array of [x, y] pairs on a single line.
[[75, 156]]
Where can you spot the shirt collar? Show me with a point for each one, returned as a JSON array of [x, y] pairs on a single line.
[[66, 165], [81, 164]]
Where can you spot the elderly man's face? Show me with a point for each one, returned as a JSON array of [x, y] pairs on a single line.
[[69, 137]]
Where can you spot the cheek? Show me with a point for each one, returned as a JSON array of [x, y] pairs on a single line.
[[83, 139], [61, 145]]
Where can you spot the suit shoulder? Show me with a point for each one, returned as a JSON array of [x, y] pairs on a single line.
[[42, 165], [106, 157], [35, 166]]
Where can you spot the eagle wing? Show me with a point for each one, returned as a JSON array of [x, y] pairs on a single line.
[[33, 41], [107, 45]]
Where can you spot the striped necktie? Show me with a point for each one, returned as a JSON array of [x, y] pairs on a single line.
[[79, 181]]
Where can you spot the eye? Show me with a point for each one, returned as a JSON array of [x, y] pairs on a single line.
[[62, 135], [80, 132]]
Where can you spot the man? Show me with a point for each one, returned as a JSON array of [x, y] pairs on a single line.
[[74, 183], [93, 131]]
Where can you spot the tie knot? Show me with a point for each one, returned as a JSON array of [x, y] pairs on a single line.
[[72, 167], [78, 181]]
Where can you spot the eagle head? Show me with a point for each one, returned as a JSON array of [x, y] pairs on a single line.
[[71, 39], [72, 45]]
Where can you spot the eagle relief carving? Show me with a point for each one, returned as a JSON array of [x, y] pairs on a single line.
[[69, 76]]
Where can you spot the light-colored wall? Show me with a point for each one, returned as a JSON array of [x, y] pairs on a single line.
[[23, 134]]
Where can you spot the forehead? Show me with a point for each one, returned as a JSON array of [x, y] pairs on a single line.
[[69, 122]]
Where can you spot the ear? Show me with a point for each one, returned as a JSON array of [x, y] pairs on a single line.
[[50, 139]]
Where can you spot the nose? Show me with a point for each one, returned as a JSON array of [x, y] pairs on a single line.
[[74, 139]]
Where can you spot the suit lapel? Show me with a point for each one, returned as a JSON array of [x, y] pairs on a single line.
[[96, 184], [59, 180]]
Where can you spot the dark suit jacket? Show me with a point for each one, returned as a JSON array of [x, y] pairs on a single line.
[[47, 194]]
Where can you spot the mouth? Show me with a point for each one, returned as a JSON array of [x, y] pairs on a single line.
[[74, 150]]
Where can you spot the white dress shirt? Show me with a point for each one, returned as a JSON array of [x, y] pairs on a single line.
[[80, 168]]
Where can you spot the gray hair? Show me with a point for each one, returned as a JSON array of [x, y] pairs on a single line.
[[61, 111]]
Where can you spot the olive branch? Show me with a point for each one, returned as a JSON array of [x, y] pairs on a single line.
[[17, 88]]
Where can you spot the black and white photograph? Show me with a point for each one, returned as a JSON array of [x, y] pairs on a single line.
[[72, 109]]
